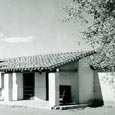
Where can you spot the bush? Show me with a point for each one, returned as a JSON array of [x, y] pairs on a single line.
[[95, 103]]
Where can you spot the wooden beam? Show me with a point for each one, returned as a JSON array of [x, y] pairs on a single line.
[[68, 70]]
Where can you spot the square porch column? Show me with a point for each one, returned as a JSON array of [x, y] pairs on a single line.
[[1, 85], [1, 80], [15, 87], [7, 86], [53, 89]]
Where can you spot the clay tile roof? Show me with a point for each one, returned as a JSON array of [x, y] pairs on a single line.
[[41, 62]]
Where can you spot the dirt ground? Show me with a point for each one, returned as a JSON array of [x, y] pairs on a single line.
[[7, 110]]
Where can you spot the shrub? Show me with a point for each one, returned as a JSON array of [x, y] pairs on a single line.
[[95, 103]]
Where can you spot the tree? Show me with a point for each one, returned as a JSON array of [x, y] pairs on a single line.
[[100, 33]]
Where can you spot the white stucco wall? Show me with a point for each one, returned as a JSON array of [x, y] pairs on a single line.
[[104, 88], [17, 86], [8, 87], [86, 82], [1, 85], [20, 85], [0, 92], [54, 79], [11, 86], [1, 80], [71, 78], [40, 85]]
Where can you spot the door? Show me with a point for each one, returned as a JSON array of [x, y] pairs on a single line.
[[28, 87]]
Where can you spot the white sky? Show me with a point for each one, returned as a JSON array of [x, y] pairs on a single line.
[[31, 27]]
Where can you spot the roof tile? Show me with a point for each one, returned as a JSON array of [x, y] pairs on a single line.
[[41, 62]]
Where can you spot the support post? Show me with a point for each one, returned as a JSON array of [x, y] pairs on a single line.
[[53, 89], [1, 86], [15, 87], [0, 80], [7, 86]]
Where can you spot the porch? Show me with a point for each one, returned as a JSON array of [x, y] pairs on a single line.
[[55, 88], [40, 104]]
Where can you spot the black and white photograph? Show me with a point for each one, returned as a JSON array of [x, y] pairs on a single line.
[[57, 57]]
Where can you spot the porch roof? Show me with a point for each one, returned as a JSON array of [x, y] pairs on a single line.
[[41, 62]]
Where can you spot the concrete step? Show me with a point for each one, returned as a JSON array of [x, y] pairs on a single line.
[[65, 107]]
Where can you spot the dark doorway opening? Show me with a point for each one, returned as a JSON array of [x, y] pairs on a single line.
[[47, 87], [65, 94], [28, 85]]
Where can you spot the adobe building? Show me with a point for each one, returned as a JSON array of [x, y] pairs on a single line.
[[60, 79]]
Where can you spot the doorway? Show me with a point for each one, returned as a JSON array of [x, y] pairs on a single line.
[[65, 94], [28, 85], [47, 87]]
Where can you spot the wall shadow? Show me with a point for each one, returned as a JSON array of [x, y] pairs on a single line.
[[97, 101]]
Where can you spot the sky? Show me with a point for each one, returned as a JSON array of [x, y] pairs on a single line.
[[31, 27]]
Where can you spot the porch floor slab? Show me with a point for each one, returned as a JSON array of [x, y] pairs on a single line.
[[39, 104], [27, 103], [65, 107]]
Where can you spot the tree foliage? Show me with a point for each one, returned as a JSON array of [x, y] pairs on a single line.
[[100, 34]]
